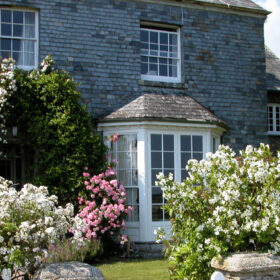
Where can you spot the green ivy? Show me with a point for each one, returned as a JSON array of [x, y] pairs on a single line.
[[55, 130]]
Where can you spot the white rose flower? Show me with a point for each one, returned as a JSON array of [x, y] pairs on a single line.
[[6, 274]]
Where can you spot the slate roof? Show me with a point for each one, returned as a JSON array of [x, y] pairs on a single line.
[[272, 70], [247, 4], [164, 108]]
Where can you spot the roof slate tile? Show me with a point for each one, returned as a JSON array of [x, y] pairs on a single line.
[[236, 3], [165, 107], [272, 70]]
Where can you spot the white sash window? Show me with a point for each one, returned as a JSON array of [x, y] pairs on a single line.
[[160, 54], [19, 36], [273, 115]]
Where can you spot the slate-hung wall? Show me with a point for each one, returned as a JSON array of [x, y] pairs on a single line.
[[223, 60]]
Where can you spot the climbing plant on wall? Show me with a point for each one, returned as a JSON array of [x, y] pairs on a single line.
[[53, 127]]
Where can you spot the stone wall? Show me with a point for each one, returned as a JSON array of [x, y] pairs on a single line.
[[223, 67], [271, 275], [249, 266]]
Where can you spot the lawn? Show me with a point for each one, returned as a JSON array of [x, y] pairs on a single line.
[[135, 270]]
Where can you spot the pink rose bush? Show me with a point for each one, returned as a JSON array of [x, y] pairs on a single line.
[[105, 213], [114, 138]]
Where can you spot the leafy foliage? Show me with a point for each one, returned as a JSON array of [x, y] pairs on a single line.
[[66, 251], [55, 130], [227, 204]]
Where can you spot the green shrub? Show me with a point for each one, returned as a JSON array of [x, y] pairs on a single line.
[[227, 204], [55, 130]]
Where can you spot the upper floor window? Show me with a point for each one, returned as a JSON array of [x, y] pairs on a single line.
[[19, 36], [273, 111], [160, 54]]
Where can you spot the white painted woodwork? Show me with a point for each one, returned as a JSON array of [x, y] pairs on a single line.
[[143, 230]]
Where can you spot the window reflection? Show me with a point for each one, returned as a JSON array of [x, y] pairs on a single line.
[[125, 152]]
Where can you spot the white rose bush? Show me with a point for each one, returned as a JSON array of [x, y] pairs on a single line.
[[7, 88], [227, 204], [30, 221]]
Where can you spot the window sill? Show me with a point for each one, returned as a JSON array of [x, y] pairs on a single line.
[[271, 133], [162, 84], [27, 68]]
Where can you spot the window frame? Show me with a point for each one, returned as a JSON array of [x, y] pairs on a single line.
[[130, 187], [35, 39], [192, 151], [177, 160], [162, 152], [274, 119], [168, 30]]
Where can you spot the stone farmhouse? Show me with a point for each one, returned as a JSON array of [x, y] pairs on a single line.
[[174, 78]]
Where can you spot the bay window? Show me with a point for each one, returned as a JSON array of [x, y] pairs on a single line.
[[145, 149]]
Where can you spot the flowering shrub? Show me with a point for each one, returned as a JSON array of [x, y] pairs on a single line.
[[54, 129], [29, 222], [114, 138], [227, 204], [105, 213], [7, 87]]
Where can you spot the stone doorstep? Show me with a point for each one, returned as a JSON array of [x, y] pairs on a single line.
[[150, 249]]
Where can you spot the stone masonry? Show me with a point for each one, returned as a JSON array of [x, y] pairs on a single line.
[[249, 266], [223, 59]]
